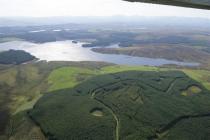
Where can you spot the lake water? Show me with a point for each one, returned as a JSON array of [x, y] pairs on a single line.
[[68, 51], [37, 31]]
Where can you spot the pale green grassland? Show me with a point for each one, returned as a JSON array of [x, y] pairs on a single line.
[[68, 77], [202, 76], [8, 76], [114, 69], [193, 90], [22, 85]]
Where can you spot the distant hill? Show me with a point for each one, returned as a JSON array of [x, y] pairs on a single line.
[[141, 20], [15, 57]]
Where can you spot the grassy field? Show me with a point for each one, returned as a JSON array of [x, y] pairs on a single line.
[[117, 68], [68, 77], [135, 105], [202, 76]]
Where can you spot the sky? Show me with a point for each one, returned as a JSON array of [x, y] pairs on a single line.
[[49, 8]]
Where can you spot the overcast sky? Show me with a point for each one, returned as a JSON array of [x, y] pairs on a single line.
[[46, 8]]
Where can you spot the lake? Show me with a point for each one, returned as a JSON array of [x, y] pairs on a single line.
[[68, 51]]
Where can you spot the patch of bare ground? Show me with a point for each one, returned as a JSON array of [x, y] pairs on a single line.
[[98, 112]]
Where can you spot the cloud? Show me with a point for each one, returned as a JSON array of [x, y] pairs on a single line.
[[43, 8]]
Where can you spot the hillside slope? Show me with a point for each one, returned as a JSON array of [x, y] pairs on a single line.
[[125, 106]]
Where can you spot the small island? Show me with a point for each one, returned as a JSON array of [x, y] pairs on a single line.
[[75, 42], [15, 57]]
